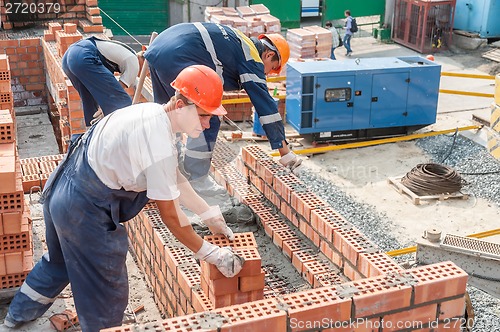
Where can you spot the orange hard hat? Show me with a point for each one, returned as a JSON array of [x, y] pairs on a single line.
[[430, 57], [201, 85], [280, 46]]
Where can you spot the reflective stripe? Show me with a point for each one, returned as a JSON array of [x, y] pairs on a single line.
[[34, 295], [249, 49], [209, 45], [199, 154], [251, 78], [267, 119]]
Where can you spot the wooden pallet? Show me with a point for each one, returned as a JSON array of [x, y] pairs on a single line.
[[395, 182], [492, 55]]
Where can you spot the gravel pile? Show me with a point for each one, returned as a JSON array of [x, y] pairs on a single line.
[[482, 175]]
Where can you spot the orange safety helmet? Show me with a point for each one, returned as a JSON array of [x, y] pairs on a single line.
[[201, 85], [282, 48], [430, 57]]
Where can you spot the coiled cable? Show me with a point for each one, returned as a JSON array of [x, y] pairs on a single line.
[[433, 179]]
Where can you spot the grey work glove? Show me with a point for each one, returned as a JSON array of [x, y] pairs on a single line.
[[226, 261], [290, 160], [97, 116], [215, 221]]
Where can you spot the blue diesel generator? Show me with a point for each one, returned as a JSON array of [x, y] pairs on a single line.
[[361, 98]]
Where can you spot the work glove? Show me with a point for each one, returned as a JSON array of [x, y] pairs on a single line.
[[215, 221], [290, 160], [97, 116], [226, 261]]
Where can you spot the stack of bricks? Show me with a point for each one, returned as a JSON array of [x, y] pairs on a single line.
[[16, 253], [239, 107], [6, 98], [309, 42], [85, 13], [251, 20], [323, 41], [36, 171], [247, 285]]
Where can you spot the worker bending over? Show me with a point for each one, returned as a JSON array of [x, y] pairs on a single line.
[[107, 177], [241, 62], [90, 65]]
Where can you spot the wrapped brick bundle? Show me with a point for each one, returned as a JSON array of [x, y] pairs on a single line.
[[255, 26], [323, 40], [271, 23], [260, 9], [209, 11], [245, 11], [302, 43]]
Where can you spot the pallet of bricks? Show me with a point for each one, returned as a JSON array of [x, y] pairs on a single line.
[[311, 42], [16, 249], [380, 296]]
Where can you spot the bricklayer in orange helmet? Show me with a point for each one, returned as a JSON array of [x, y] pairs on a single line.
[[201, 85]]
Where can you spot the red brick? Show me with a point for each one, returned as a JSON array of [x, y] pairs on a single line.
[[317, 305], [411, 318], [252, 283], [452, 308], [438, 281]]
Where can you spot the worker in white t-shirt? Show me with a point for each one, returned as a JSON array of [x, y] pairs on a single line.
[[107, 177], [90, 65]]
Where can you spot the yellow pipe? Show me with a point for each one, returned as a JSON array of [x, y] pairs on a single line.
[[276, 78], [409, 250], [245, 100], [485, 77], [466, 93], [378, 141]]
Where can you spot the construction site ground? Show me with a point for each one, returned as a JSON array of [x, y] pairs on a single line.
[[360, 173]]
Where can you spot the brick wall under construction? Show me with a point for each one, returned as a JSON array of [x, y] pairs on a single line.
[[381, 294]]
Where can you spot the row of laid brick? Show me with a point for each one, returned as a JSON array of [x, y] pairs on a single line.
[[339, 240], [308, 262], [382, 303], [154, 250]]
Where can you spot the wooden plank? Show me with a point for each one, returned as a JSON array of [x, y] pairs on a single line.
[[395, 182], [492, 55]]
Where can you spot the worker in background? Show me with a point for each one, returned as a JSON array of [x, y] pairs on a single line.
[[348, 33], [90, 65], [242, 63], [336, 41], [107, 177]]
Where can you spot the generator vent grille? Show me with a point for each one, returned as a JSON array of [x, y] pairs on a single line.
[[480, 247]]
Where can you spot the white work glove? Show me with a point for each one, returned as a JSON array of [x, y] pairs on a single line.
[[97, 116], [226, 261], [290, 160], [215, 221]]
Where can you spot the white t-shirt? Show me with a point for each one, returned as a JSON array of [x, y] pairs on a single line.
[[123, 56], [134, 148]]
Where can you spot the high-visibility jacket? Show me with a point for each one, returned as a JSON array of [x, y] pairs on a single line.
[[226, 50]]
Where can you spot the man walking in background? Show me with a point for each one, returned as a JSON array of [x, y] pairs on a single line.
[[348, 32]]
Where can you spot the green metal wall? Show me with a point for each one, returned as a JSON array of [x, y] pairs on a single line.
[[287, 11], [137, 17], [334, 9]]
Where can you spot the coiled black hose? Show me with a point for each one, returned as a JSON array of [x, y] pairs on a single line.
[[432, 179]]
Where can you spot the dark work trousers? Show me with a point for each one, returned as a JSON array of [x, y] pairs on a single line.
[[95, 83], [87, 245]]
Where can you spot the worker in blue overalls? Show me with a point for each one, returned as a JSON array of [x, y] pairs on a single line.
[[90, 65], [106, 178], [242, 63]]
